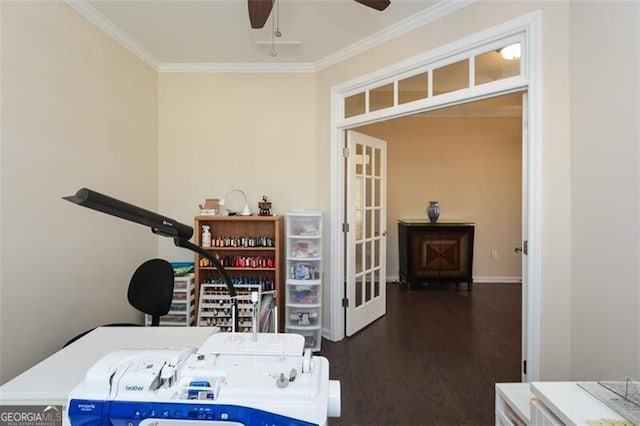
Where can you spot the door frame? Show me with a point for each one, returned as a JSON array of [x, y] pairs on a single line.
[[527, 30]]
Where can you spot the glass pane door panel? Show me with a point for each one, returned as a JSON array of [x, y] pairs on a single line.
[[369, 225], [359, 160], [450, 78], [381, 97], [413, 88], [359, 290], [367, 255], [368, 285], [376, 223], [368, 160]]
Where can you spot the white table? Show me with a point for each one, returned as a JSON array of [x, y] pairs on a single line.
[[50, 381], [571, 404], [549, 403], [513, 403]]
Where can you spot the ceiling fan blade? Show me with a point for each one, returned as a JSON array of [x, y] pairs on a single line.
[[259, 11], [376, 4]]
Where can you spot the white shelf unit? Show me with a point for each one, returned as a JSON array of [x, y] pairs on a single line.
[[183, 305], [303, 310], [215, 307]]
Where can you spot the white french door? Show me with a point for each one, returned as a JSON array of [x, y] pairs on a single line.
[[366, 234]]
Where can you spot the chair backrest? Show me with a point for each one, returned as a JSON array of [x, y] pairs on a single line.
[[151, 289]]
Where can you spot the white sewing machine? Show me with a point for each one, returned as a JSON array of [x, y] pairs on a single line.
[[232, 379]]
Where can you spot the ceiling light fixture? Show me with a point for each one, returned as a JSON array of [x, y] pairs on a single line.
[[511, 52]]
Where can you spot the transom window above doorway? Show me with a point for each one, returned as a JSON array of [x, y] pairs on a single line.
[[433, 80]]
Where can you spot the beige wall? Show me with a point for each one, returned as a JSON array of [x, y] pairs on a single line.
[[472, 166], [590, 301], [605, 310], [248, 131], [77, 110], [556, 215]]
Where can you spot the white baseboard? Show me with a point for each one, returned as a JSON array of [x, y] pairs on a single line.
[[476, 280], [502, 280]]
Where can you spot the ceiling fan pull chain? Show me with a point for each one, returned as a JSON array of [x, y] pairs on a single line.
[[273, 34], [277, 33]]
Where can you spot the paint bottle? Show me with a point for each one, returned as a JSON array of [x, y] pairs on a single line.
[[206, 236]]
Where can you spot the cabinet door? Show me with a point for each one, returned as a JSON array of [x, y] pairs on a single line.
[[440, 253], [454, 252], [424, 249]]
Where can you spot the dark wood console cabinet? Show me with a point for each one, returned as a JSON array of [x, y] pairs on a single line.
[[435, 252]]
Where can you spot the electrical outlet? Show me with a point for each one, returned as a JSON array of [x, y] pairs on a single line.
[[494, 254]]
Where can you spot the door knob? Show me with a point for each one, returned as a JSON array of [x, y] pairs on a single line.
[[518, 250]]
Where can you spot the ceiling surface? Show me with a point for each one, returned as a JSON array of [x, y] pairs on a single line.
[[219, 32], [216, 35]]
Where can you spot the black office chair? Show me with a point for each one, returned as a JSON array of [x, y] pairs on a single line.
[[150, 291]]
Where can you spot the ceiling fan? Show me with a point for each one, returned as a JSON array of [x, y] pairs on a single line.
[[259, 10]]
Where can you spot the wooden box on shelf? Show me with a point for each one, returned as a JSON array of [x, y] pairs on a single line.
[[250, 249]]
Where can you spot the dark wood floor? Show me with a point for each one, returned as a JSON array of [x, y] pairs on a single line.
[[433, 359]]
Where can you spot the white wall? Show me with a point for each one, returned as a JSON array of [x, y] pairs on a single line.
[[605, 110], [77, 110]]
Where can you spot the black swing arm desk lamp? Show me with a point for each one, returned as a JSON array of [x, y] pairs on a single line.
[[160, 225]]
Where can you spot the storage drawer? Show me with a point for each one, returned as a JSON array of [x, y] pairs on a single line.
[[304, 294], [304, 225], [311, 337], [305, 249], [300, 316], [304, 270]]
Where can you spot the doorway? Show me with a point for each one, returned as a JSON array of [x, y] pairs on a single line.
[[467, 54], [469, 158]]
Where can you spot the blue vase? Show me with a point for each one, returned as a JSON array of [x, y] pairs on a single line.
[[433, 211]]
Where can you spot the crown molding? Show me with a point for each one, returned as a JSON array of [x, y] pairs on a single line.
[[113, 31], [237, 68], [437, 11]]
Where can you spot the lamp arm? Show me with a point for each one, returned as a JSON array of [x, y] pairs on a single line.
[[181, 242], [160, 225], [184, 243]]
